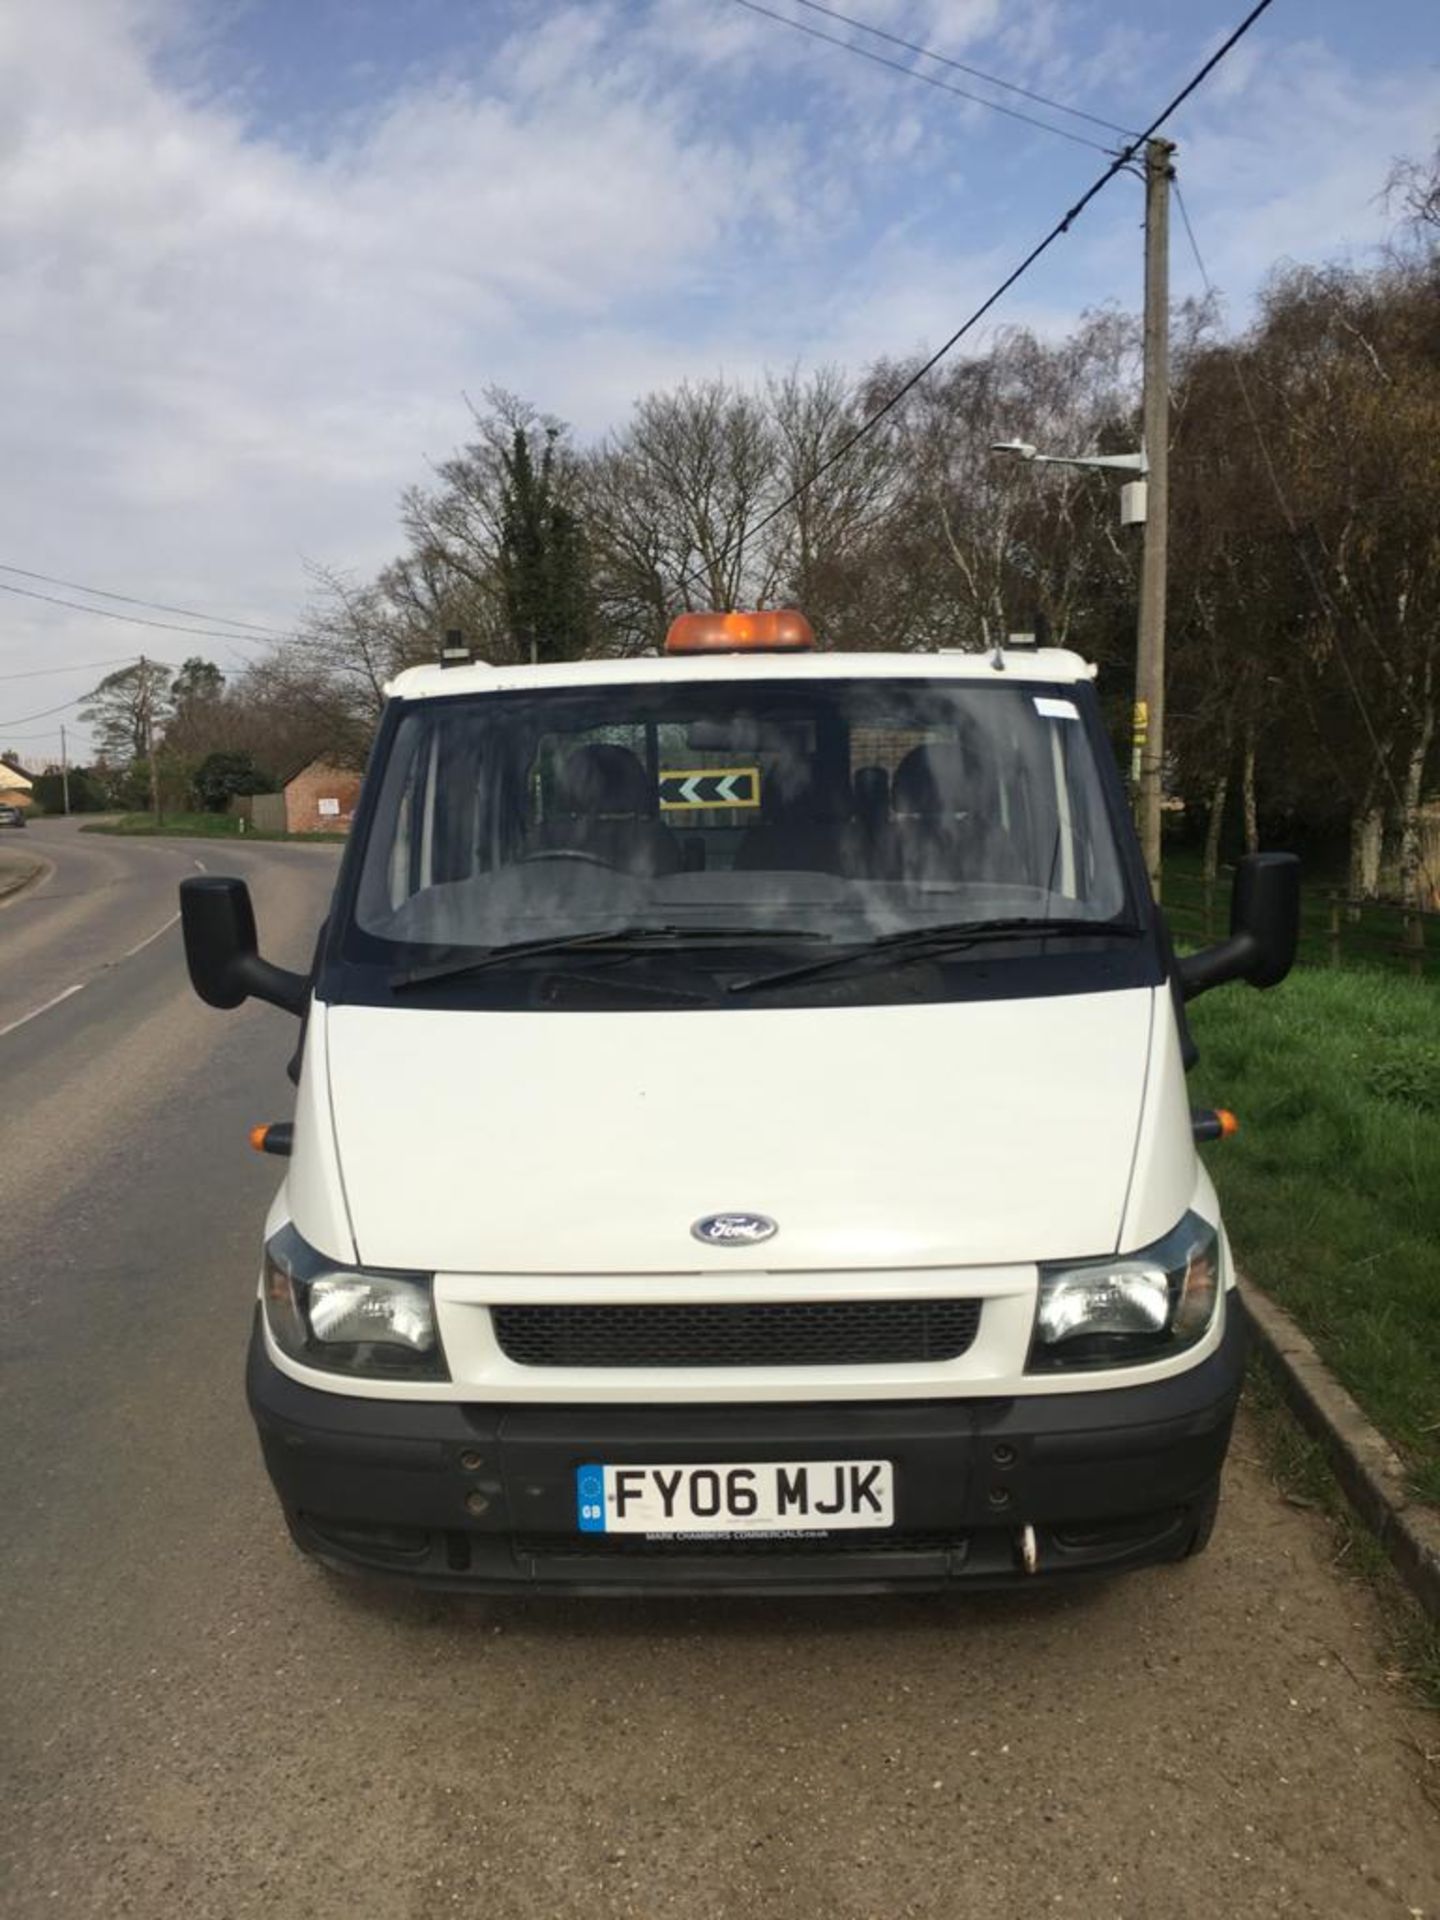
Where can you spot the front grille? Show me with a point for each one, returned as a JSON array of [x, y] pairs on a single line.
[[819, 1333]]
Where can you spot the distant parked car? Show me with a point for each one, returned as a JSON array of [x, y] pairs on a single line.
[[11, 816]]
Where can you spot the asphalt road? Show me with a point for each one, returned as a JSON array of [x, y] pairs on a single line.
[[197, 1723]]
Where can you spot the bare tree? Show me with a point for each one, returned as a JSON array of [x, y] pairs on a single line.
[[671, 502], [1414, 190], [1305, 554], [1014, 538], [837, 499], [1354, 359], [353, 640]]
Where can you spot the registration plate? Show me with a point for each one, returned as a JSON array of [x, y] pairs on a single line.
[[770, 1496]]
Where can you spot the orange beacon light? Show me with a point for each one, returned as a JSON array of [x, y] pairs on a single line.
[[779, 630]]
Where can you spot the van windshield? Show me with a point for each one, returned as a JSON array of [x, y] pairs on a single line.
[[819, 810]]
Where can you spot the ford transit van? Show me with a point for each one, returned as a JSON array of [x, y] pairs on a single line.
[[741, 1137]]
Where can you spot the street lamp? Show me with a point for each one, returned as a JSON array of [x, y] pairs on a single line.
[[1132, 496], [1149, 670]]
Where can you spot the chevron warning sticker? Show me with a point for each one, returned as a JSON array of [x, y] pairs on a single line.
[[690, 789]]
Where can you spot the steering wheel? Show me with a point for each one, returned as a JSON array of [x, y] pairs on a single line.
[[567, 853]]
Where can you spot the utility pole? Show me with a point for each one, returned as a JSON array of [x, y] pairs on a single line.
[[64, 768], [1149, 733], [147, 695]]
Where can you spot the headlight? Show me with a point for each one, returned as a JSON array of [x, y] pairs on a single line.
[[349, 1319], [1133, 1308]]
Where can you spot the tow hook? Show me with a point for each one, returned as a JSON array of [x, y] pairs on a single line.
[[1029, 1553]]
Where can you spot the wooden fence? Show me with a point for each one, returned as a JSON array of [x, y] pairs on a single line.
[[1335, 930]]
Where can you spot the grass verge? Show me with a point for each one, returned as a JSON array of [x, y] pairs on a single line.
[[203, 826], [1331, 1188]]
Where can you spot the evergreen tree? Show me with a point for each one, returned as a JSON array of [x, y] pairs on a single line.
[[128, 709], [221, 776], [543, 563]]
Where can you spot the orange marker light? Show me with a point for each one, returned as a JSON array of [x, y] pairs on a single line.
[[1213, 1123], [779, 630], [257, 1137]]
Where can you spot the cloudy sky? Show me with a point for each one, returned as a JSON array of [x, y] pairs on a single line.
[[253, 253]]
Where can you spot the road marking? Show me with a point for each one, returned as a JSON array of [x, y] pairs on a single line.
[[35, 1012], [141, 945], [80, 985], [129, 954]]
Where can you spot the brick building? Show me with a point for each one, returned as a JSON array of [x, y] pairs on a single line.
[[320, 798]]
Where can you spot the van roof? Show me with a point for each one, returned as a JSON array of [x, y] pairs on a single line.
[[1031, 663]]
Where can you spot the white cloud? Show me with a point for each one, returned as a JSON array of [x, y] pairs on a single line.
[[1296, 170], [225, 348], [221, 354]]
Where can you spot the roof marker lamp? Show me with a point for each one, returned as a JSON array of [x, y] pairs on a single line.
[[778, 630], [1132, 1309], [350, 1319]]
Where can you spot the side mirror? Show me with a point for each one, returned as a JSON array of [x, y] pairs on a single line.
[[218, 923], [1264, 928]]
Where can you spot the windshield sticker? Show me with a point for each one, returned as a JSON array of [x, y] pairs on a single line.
[[691, 789], [1056, 709]]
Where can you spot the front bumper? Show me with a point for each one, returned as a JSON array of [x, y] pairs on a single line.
[[482, 1498]]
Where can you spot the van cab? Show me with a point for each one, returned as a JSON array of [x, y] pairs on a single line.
[[741, 1137]]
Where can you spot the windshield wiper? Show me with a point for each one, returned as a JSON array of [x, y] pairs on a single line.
[[626, 940], [917, 943]]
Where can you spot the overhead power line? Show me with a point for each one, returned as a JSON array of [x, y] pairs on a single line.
[[130, 600], [81, 666], [1121, 161], [914, 73], [138, 620], [23, 719], [960, 66]]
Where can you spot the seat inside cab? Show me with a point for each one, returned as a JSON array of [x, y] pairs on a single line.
[[807, 825], [935, 810], [604, 811]]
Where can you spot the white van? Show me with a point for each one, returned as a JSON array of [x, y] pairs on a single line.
[[741, 1138]]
